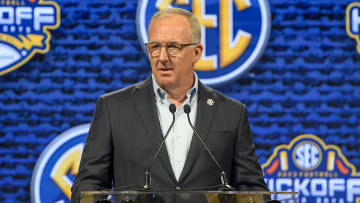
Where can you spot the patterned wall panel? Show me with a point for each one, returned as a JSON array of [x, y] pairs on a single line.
[[307, 81]]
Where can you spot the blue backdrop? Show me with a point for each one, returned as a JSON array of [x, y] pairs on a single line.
[[307, 81]]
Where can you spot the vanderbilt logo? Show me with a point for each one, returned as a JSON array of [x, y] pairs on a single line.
[[235, 33], [24, 30]]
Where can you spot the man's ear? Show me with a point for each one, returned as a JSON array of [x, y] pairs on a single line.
[[148, 54], [198, 52]]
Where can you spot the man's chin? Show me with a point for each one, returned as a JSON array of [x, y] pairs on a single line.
[[166, 82]]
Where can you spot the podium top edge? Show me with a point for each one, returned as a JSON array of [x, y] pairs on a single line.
[[135, 192]]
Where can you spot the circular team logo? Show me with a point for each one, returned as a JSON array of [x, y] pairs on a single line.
[[57, 166], [234, 34], [307, 155], [24, 30]]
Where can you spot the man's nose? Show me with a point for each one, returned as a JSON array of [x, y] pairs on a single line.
[[163, 54]]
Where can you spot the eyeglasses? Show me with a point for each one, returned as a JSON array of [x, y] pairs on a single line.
[[172, 48]]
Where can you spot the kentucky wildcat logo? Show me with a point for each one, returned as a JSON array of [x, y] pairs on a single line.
[[24, 30], [319, 172], [57, 166], [235, 33]]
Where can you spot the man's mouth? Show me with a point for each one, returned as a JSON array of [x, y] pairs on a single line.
[[165, 69]]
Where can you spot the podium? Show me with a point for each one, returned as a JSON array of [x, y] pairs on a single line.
[[182, 196]]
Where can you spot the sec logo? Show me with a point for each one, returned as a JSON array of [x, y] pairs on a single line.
[[24, 30], [320, 172], [234, 34], [353, 22], [307, 155], [57, 166]]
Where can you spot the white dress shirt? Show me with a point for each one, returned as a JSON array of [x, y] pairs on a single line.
[[179, 138]]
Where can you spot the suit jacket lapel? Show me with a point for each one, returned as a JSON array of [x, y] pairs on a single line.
[[204, 117], [144, 101]]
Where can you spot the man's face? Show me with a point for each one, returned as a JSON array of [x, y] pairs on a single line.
[[173, 71]]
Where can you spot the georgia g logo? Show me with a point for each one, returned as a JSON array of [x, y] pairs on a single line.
[[57, 166], [24, 30], [234, 34]]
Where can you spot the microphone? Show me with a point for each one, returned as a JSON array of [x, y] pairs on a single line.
[[147, 186], [225, 186]]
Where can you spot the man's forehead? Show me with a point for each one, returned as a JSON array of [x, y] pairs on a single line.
[[166, 42], [169, 16], [174, 28], [170, 19]]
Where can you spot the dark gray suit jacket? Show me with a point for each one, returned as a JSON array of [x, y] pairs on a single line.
[[125, 132]]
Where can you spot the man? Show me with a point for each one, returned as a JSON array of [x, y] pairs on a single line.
[[129, 124]]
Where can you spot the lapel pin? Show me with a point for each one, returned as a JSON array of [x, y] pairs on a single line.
[[210, 102]]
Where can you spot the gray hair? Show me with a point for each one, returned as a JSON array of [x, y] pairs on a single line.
[[193, 21]]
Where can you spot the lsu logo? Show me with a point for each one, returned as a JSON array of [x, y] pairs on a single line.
[[24, 30], [353, 22], [319, 172], [57, 166], [234, 34]]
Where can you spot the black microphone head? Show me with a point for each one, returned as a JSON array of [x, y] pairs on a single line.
[[172, 108], [187, 108]]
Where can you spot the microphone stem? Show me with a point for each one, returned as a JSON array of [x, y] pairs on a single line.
[[147, 185], [162, 142], [203, 143], [224, 180]]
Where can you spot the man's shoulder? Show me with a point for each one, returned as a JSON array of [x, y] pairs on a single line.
[[226, 100], [123, 92], [126, 92]]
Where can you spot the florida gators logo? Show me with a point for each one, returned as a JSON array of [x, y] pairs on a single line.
[[57, 166], [24, 30], [234, 34], [353, 23], [319, 172]]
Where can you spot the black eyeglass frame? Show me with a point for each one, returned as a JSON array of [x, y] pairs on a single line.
[[166, 49]]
